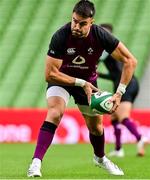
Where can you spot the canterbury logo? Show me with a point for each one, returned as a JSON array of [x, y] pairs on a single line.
[[79, 60], [71, 51]]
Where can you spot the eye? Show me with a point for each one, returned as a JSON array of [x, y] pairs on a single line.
[[83, 24], [75, 21]]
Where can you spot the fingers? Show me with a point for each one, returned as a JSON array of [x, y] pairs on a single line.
[[114, 108], [89, 93], [88, 88], [116, 101], [95, 88], [89, 98]]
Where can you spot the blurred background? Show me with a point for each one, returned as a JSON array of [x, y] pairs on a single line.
[[26, 27]]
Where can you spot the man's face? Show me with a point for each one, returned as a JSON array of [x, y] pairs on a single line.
[[80, 26]]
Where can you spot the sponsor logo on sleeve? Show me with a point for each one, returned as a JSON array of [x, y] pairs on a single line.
[[52, 52]]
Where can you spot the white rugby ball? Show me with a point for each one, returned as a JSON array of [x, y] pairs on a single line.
[[100, 102]]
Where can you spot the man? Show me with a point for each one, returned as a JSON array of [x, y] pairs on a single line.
[[122, 114], [71, 70]]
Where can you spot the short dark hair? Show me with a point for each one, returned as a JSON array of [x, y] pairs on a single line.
[[107, 26], [84, 8]]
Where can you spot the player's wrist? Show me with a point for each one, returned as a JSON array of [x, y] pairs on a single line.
[[80, 82], [121, 89]]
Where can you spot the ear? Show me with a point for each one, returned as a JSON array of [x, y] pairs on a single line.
[[93, 20]]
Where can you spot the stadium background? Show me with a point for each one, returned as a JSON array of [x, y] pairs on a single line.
[[26, 27]]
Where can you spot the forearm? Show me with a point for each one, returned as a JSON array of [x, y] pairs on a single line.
[[60, 78], [127, 71], [122, 54], [55, 76]]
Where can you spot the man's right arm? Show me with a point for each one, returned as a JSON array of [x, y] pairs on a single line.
[[53, 75]]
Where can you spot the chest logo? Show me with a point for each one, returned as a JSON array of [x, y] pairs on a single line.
[[71, 51], [78, 60], [90, 51]]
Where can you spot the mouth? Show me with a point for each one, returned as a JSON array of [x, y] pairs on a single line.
[[76, 33]]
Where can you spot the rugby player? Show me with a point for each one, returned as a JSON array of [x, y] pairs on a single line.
[[70, 70]]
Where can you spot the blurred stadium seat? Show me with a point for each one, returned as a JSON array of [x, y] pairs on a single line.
[[25, 30]]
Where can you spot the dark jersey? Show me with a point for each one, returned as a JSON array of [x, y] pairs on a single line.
[[81, 55], [114, 68]]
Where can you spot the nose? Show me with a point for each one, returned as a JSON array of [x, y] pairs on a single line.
[[76, 27]]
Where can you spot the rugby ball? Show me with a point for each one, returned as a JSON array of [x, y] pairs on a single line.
[[100, 102]]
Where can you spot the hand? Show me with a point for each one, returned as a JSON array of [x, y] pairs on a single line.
[[88, 88], [116, 98]]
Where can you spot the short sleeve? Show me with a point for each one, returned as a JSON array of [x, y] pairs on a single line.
[[56, 48], [107, 40]]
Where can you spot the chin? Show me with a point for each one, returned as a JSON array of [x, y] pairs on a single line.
[[77, 35]]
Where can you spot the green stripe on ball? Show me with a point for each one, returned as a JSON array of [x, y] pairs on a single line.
[[99, 102]]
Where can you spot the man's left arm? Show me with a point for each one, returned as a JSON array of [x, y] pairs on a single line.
[[121, 53]]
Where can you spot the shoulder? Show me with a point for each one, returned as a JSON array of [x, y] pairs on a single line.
[[63, 32], [108, 41], [102, 34], [58, 41], [99, 30]]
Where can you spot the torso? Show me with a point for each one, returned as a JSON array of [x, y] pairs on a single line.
[[80, 55]]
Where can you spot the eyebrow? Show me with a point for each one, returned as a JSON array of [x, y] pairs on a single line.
[[84, 21]]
